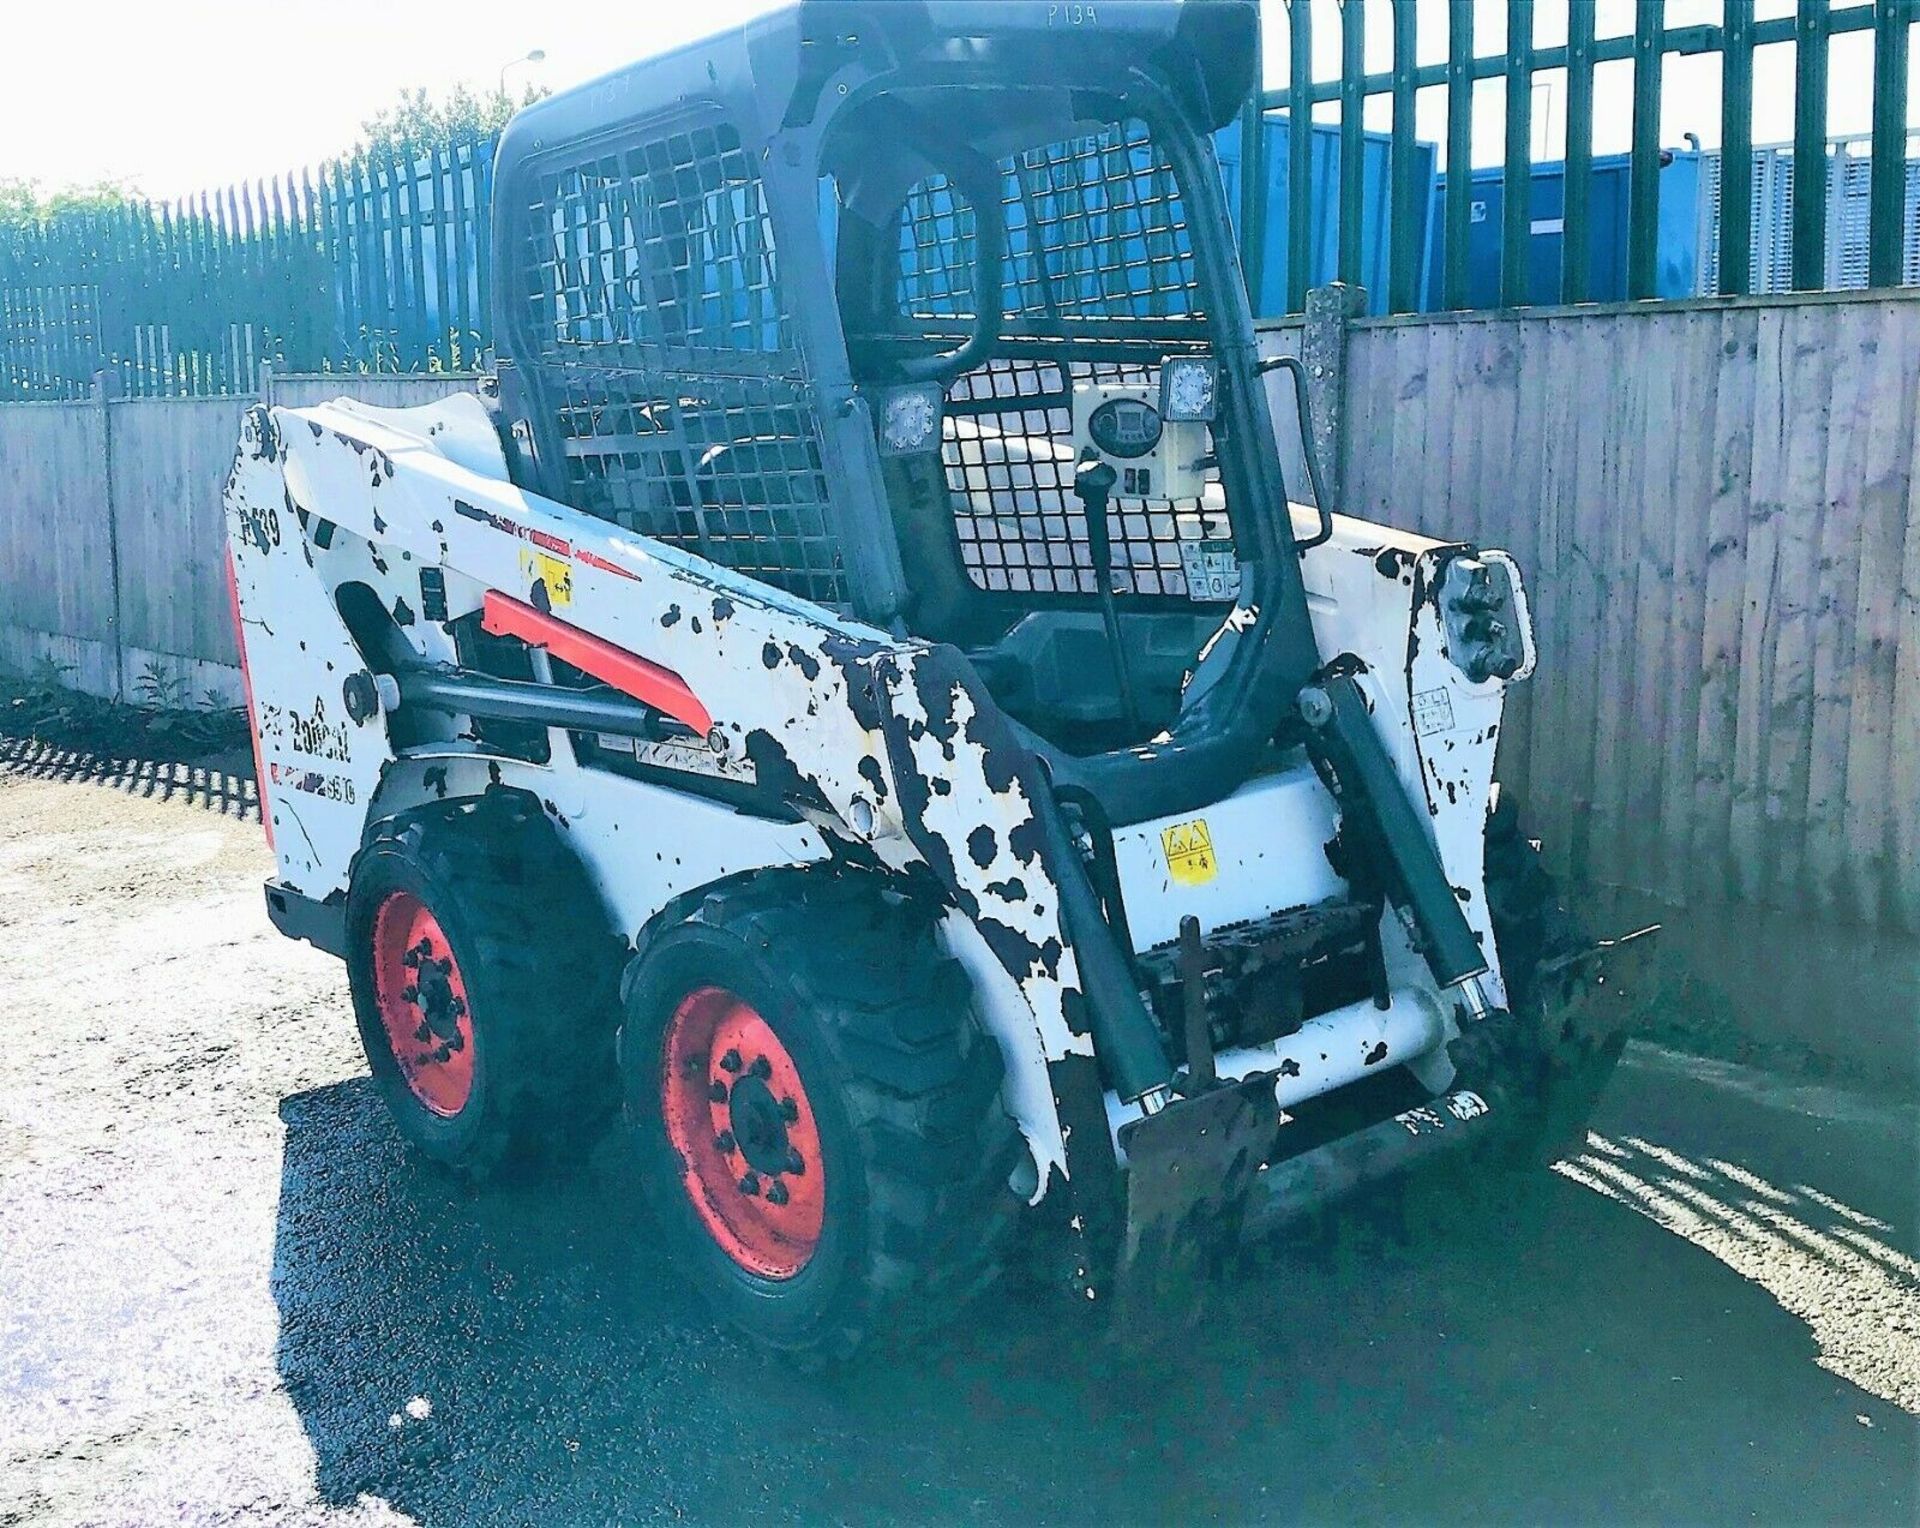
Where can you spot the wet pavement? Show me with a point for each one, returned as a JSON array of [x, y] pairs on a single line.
[[227, 1295]]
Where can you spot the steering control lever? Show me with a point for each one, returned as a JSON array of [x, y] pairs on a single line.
[[1093, 481]]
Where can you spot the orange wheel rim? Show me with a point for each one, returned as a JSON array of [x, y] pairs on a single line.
[[739, 1120], [422, 998]]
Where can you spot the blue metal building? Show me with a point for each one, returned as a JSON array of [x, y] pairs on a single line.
[[1678, 250], [1271, 300]]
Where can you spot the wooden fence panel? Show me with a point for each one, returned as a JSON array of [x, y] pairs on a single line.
[[137, 481], [393, 391], [170, 462], [56, 567], [1875, 680], [1904, 783], [1714, 504]]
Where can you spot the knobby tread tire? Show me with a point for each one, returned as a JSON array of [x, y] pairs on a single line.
[[534, 946], [1532, 923], [917, 1077], [1532, 926]]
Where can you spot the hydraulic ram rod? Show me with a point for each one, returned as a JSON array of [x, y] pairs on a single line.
[[513, 700]]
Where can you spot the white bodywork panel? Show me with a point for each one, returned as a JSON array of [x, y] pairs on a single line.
[[1372, 593], [868, 728], [872, 729], [1261, 850], [643, 844]]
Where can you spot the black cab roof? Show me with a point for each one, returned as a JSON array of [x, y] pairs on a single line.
[[776, 71]]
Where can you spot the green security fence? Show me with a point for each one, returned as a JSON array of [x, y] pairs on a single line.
[[380, 266], [1810, 30], [366, 266]]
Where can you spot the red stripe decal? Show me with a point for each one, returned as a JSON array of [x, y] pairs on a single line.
[[595, 560], [627, 672], [246, 691]]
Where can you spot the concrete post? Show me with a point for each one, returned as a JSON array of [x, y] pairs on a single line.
[[1323, 350]]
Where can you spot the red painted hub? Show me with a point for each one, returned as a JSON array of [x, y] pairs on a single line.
[[423, 1003], [745, 1133]]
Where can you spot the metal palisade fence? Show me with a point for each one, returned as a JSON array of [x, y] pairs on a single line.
[[366, 266], [1809, 31], [381, 265]]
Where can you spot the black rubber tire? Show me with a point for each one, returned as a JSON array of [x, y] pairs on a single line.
[[903, 1083], [1531, 920], [541, 967], [1532, 926]]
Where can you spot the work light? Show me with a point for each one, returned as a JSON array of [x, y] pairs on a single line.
[[1189, 389], [910, 419]]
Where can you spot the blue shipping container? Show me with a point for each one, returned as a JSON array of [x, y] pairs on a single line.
[[1324, 210], [1677, 254]]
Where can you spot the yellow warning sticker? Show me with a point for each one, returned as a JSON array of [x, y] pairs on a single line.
[[1189, 850], [551, 571]]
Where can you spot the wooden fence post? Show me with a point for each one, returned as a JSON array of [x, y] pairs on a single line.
[[1323, 350], [106, 385]]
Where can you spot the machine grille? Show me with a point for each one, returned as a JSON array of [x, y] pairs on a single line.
[[1009, 462], [1096, 229]]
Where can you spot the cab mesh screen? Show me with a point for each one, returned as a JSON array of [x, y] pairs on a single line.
[[1007, 447], [654, 311], [1096, 228], [1096, 232]]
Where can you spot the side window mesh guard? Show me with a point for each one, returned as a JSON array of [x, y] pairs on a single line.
[[655, 315]]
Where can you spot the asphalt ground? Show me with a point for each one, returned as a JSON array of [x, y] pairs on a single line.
[[228, 1295]]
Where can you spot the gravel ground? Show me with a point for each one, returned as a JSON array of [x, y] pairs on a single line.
[[227, 1295]]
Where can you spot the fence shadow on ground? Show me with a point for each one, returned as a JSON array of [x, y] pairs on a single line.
[[524, 1354], [205, 785]]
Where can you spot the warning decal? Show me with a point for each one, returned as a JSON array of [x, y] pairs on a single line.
[[555, 574], [1189, 850], [1432, 712]]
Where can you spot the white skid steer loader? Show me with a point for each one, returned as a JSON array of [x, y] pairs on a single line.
[[853, 698]]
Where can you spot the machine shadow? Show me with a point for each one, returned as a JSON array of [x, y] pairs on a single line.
[[524, 1354], [205, 784]]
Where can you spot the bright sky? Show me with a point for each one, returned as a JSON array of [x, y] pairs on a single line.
[[178, 95]]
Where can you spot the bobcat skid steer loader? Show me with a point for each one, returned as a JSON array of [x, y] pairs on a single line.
[[854, 699]]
